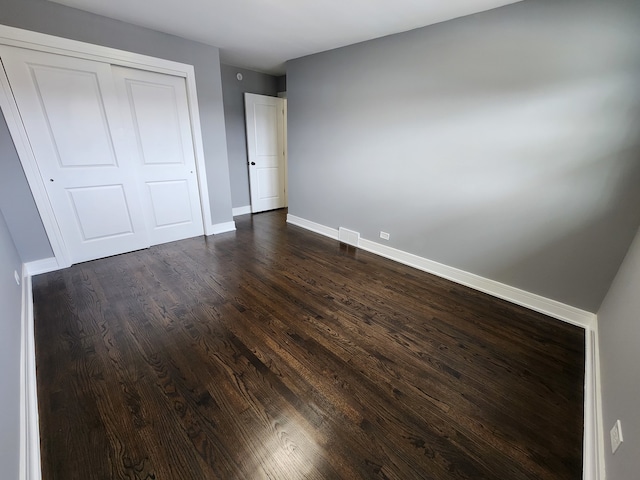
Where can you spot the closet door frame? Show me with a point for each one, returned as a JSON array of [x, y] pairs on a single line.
[[48, 43]]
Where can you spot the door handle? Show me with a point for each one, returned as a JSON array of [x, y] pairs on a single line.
[[253, 163]]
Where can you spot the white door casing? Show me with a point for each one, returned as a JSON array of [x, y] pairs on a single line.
[[266, 151], [286, 153], [16, 37], [158, 130], [69, 107]]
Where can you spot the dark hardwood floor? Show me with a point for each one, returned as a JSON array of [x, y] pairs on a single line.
[[272, 352]]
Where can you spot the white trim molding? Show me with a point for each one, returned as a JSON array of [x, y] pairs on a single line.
[[313, 226], [530, 300], [44, 265], [223, 227], [593, 440], [16, 37], [241, 210], [29, 424]]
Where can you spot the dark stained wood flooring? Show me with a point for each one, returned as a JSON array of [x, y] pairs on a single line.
[[272, 352]]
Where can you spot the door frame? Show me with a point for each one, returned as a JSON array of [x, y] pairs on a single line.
[[286, 154], [16, 37]]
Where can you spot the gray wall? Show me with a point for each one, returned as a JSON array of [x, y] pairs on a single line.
[[233, 92], [21, 214], [10, 308], [54, 19], [506, 144], [619, 330]]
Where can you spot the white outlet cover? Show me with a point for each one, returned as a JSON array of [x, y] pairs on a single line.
[[384, 235], [616, 436]]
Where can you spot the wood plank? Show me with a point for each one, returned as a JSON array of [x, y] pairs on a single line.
[[272, 352]]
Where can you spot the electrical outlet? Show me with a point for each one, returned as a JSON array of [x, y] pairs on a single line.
[[16, 276], [384, 235], [616, 436]]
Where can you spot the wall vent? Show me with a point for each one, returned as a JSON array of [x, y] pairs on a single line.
[[348, 236]]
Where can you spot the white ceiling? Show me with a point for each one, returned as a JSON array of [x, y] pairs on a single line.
[[263, 34]]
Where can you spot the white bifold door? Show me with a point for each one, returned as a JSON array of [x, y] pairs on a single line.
[[114, 149]]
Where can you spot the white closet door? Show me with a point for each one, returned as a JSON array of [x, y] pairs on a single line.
[[158, 128], [71, 113]]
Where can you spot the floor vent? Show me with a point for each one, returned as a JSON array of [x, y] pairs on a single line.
[[348, 236]]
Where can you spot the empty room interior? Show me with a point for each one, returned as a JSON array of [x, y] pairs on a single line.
[[288, 240]]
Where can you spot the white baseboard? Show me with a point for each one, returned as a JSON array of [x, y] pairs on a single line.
[[593, 444], [222, 228], [29, 424], [314, 227], [43, 265], [241, 210], [530, 300]]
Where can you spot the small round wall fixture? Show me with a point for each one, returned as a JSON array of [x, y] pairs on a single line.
[[239, 77]]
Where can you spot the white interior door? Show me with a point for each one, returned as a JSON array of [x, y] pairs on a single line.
[[70, 111], [157, 125], [266, 151]]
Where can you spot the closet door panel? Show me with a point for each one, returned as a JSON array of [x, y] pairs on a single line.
[[158, 127], [71, 113]]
